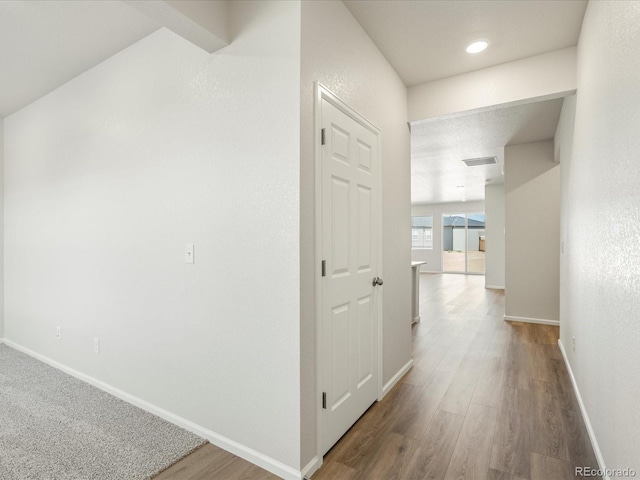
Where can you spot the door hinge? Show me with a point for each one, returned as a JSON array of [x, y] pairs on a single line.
[[324, 400], [324, 268], [322, 138]]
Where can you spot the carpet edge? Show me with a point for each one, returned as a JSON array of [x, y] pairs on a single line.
[[249, 454], [193, 450]]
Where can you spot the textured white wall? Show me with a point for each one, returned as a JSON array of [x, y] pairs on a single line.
[[434, 257], [532, 237], [494, 209], [563, 139], [550, 75], [107, 179], [601, 208], [340, 55]]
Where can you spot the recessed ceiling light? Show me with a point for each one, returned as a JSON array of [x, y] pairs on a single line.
[[477, 46]]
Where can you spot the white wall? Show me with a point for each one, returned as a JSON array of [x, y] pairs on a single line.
[[532, 236], [495, 252], [213, 16], [339, 54], [108, 177], [563, 139], [563, 151], [546, 76], [601, 209], [434, 257]]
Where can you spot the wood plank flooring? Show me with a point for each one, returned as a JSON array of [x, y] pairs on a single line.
[[210, 462], [486, 399]]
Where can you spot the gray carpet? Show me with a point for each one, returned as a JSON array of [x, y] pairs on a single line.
[[55, 427]]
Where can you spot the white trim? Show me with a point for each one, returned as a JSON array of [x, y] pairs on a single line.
[[242, 451], [321, 92], [312, 467], [318, 260], [431, 271], [399, 374], [495, 287], [585, 415], [542, 321]]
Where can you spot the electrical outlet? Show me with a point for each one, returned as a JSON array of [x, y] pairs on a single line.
[[573, 343], [58, 333], [96, 345]]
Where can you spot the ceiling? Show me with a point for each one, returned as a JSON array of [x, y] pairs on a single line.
[[439, 145], [424, 40], [44, 44]]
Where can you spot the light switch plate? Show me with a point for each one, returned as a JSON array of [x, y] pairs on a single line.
[[188, 253]]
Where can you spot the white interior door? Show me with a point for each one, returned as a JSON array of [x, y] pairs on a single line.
[[350, 243]]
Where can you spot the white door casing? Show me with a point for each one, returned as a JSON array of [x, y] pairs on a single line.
[[350, 245]]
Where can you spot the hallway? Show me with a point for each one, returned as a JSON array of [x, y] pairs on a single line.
[[485, 399]]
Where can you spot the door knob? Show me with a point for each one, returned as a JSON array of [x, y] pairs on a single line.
[[377, 281]]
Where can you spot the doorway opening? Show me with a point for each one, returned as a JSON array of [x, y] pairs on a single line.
[[463, 243]]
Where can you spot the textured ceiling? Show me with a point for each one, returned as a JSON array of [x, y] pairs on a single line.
[[44, 44], [424, 40], [438, 147]]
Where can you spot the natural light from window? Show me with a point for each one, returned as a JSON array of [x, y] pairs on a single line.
[[422, 232]]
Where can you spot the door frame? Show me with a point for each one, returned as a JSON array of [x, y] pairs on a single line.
[[323, 93]]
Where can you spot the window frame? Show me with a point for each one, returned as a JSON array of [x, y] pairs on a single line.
[[424, 230]]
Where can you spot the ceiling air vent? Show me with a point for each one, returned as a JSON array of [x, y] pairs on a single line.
[[474, 162]]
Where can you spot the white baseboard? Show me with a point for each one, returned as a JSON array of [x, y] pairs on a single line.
[[311, 467], [585, 415], [399, 374], [543, 321], [430, 271], [495, 287], [242, 451]]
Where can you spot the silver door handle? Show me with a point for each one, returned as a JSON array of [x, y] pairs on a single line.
[[377, 281]]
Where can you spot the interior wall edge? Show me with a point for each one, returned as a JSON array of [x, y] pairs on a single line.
[[584, 413]]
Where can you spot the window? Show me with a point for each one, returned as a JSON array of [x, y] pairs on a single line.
[[422, 232]]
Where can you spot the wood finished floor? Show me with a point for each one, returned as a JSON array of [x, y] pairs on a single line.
[[209, 463], [486, 399]]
